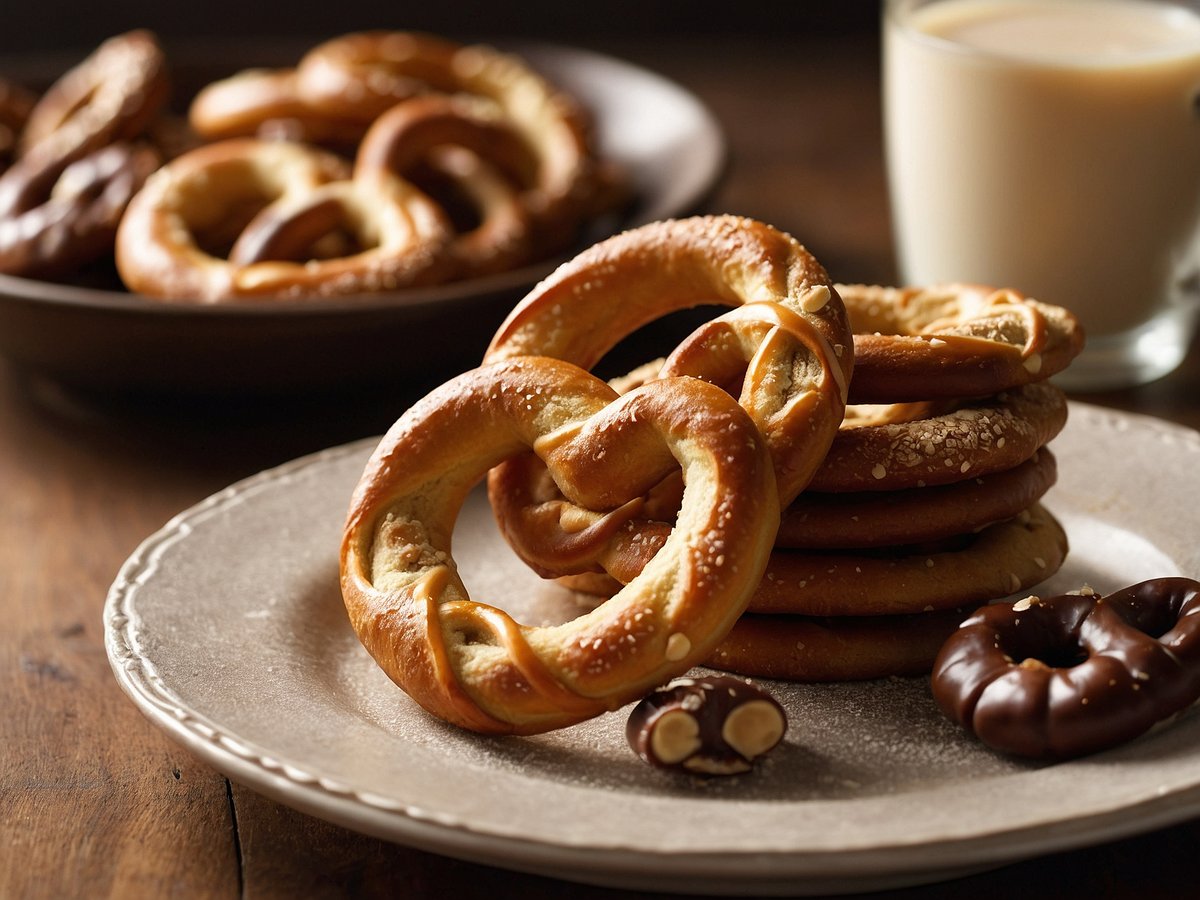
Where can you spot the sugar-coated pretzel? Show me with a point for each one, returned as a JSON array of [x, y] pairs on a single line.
[[172, 239], [463, 141], [959, 440], [370, 72], [471, 664], [109, 97], [1064, 676], [953, 340], [793, 385], [78, 221]]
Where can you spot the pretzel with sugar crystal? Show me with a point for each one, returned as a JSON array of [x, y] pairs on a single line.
[[175, 239], [1059, 677], [367, 73], [793, 378], [471, 664], [953, 340]]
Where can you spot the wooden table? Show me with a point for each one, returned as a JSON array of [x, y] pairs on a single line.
[[96, 801]]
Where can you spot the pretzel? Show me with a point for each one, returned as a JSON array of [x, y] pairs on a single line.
[[268, 103], [953, 340], [367, 73], [844, 648], [1064, 676], [471, 664], [871, 519], [78, 221], [464, 142], [172, 239], [110, 97], [958, 440]]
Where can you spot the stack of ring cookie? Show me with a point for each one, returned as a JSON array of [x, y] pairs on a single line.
[[925, 505]]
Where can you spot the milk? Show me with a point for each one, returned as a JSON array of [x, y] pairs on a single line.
[[1052, 147]]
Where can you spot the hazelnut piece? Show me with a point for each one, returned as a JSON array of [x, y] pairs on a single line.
[[714, 725]]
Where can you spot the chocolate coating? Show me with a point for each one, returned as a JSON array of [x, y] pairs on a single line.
[[715, 725], [1065, 676]]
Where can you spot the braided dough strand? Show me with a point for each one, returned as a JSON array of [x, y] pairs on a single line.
[[471, 664]]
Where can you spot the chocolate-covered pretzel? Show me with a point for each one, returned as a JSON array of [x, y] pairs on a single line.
[[1064, 676], [716, 725]]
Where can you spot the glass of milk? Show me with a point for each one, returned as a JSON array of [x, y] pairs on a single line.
[[1053, 146]]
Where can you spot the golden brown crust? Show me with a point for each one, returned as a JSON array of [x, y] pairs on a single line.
[[864, 519], [799, 648], [166, 246], [953, 340], [974, 438], [784, 338], [471, 664], [1002, 559], [365, 74]]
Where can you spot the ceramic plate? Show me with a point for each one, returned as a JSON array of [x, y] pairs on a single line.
[[106, 340], [226, 629]]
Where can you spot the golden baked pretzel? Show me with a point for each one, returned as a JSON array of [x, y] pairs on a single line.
[[470, 663], [367, 73], [15, 105], [793, 377], [174, 239], [953, 340], [461, 145]]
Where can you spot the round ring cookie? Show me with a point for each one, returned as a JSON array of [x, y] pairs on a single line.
[[978, 438], [473, 665], [801, 648], [859, 520], [953, 340], [1002, 559]]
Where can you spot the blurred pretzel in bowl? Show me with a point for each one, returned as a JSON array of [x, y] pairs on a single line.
[[77, 163], [789, 347], [470, 663], [182, 236], [463, 144], [365, 74]]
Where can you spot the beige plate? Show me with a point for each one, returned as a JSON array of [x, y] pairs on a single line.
[[113, 341], [226, 629]]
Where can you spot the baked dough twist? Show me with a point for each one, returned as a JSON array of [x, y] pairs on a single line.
[[470, 663]]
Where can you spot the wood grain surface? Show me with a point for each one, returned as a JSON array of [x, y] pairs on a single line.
[[95, 801]]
